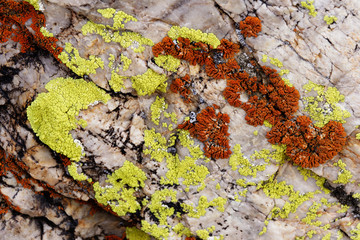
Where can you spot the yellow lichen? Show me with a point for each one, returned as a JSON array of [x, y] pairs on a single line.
[[132, 233], [324, 107], [344, 175], [116, 81], [330, 19], [149, 82], [194, 35], [81, 66], [168, 62], [126, 61], [53, 115], [309, 5], [120, 195]]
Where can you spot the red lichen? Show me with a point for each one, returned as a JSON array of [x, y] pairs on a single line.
[[268, 98], [306, 144], [272, 101], [228, 48], [250, 27], [221, 70], [114, 237], [13, 19], [239, 83], [211, 128], [182, 86], [65, 160], [182, 48]]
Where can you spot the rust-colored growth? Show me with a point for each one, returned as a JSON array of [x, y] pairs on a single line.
[[228, 48], [211, 129], [250, 27], [9, 164], [182, 48], [272, 101], [13, 16], [239, 83], [190, 238], [114, 237], [306, 144], [284, 98], [182, 86], [221, 70], [65, 160]]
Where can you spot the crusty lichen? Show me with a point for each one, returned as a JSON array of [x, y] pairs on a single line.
[[119, 195], [45, 32], [132, 233], [149, 82], [330, 19], [186, 169], [155, 145], [114, 33], [194, 35], [344, 175], [53, 114], [312, 214], [116, 81], [156, 108], [277, 63], [73, 171], [274, 189], [168, 62], [309, 5], [156, 206], [238, 162], [107, 12], [126, 62], [319, 181], [154, 230], [324, 107], [36, 3], [204, 233], [357, 136], [81, 66], [355, 232], [181, 230], [203, 204]]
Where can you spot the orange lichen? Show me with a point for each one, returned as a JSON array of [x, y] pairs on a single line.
[[272, 101], [211, 128], [250, 27], [65, 160], [182, 86], [114, 237], [221, 70], [228, 48], [13, 18], [182, 48], [238, 83], [306, 144]]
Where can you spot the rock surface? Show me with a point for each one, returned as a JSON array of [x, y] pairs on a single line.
[[264, 197]]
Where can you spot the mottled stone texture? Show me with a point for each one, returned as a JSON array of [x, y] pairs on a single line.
[[312, 50]]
